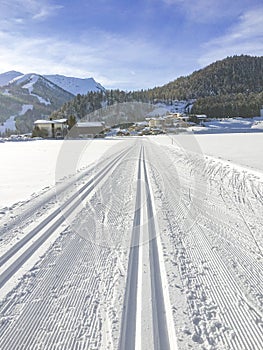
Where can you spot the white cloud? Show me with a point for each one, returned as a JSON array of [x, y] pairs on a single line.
[[245, 37], [209, 10], [19, 11], [113, 60]]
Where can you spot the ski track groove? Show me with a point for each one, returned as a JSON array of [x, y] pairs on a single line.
[[246, 335], [222, 280], [85, 190], [159, 322]]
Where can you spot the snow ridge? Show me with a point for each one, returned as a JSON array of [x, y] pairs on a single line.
[[70, 84], [5, 78], [75, 85]]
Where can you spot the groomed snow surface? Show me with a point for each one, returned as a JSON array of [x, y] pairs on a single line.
[[132, 243]]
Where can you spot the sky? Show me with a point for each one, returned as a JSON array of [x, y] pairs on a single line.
[[131, 44]]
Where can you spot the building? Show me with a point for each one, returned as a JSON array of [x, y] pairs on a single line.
[[169, 121], [201, 117], [156, 122], [86, 130], [57, 128]]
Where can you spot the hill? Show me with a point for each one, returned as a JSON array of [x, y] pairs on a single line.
[[75, 85], [237, 74], [6, 77], [27, 97], [230, 87]]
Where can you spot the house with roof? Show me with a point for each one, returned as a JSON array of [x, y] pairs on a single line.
[[56, 128], [86, 130]]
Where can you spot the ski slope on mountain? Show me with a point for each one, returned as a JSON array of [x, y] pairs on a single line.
[[75, 85], [70, 84]]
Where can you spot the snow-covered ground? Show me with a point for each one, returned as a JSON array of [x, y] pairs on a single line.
[[29, 167], [245, 149], [156, 245], [230, 125]]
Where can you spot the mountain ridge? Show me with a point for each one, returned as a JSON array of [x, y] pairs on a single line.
[[75, 85], [18, 90], [229, 87], [71, 84]]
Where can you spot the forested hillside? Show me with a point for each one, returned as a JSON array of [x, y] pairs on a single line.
[[230, 87], [237, 74]]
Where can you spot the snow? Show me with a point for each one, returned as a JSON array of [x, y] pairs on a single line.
[[160, 111], [33, 78], [244, 149], [26, 108], [57, 121], [10, 124], [229, 125], [5, 78], [70, 84], [89, 124], [257, 125], [42, 121], [176, 231], [30, 85], [75, 85], [41, 99], [22, 78], [29, 167]]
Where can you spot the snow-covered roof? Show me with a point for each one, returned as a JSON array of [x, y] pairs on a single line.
[[62, 120], [201, 116], [89, 124], [54, 121], [42, 121]]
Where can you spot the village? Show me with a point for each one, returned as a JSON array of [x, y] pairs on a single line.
[[170, 122]]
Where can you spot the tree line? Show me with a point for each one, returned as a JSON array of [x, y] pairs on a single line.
[[230, 87]]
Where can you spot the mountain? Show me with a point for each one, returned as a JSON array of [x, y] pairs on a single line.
[[230, 87], [75, 85], [27, 97], [5, 78], [236, 74]]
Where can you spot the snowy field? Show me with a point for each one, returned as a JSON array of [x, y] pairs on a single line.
[[240, 149], [155, 243], [29, 167], [243, 149]]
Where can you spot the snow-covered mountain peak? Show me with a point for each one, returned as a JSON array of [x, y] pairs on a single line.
[[70, 84], [6, 77], [24, 78], [75, 85]]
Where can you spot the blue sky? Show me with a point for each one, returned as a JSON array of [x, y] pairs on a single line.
[[126, 44]]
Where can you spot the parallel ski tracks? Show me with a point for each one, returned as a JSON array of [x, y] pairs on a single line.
[[58, 217], [158, 324], [238, 314]]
